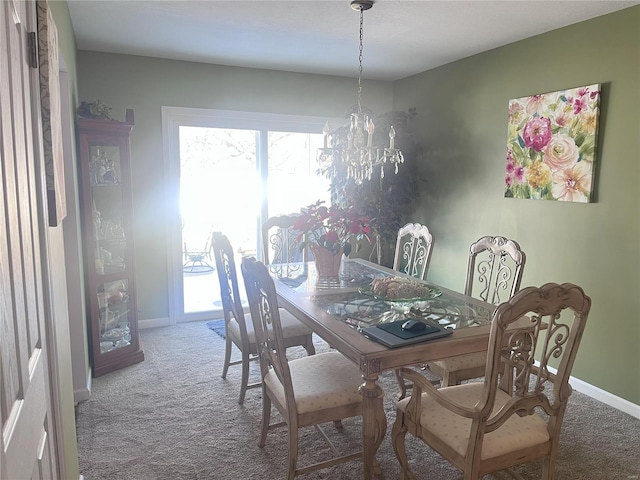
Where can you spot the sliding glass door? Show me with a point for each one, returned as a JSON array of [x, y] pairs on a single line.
[[219, 191], [230, 171]]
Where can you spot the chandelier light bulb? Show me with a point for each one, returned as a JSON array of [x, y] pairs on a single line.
[[325, 132]]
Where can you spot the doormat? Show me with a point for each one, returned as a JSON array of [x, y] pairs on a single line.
[[218, 327]]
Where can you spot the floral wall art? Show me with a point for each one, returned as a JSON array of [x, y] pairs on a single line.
[[551, 145]]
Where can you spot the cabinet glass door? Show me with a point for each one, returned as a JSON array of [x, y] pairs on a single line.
[[107, 208], [113, 305], [110, 245]]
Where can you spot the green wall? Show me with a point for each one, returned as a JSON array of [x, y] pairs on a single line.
[[146, 84], [462, 116], [462, 124]]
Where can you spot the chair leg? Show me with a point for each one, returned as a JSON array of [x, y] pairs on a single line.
[[549, 466], [449, 379], [403, 386], [398, 434], [245, 377], [227, 357], [293, 451], [309, 346], [266, 418]]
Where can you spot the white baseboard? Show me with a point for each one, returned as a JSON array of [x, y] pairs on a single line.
[[153, 322], [602, 395], [82, 394], [605, 397]]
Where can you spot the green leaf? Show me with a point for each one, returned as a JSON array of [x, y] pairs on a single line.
[[580, 138], [545, 192], [587, 150], [516, 150]]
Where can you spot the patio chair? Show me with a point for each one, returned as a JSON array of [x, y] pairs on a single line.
[[197, 260], [239, 327], [515, 415]]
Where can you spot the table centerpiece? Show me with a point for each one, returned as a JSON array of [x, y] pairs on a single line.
[[326, 231]]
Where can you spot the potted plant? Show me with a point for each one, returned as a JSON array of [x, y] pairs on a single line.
[[327, 231]]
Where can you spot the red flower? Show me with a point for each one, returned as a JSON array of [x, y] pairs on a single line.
[[332, 237], [330, 227]]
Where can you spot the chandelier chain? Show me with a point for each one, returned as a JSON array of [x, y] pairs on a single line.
[[360, 57]]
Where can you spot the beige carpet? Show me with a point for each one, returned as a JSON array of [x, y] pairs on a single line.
[[172, 417]]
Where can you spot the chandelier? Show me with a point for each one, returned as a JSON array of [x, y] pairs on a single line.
[[359, 156]]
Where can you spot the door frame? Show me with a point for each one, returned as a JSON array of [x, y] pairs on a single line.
[[172, 119], [42, 245]]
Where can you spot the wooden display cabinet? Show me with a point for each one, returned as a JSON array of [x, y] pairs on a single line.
[[107, 230]]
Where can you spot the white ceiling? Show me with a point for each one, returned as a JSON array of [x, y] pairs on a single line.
[[401, 38]]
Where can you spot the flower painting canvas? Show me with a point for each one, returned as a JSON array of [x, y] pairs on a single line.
[[551, 145]]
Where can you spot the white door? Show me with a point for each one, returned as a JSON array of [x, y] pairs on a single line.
[[27, 440]]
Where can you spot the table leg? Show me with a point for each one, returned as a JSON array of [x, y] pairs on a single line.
[[374, 423]]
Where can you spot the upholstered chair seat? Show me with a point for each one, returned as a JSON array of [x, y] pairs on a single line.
[[320, 382], [516, 433], [291, 326]]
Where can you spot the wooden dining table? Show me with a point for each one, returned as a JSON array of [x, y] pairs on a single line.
[[339, 309]]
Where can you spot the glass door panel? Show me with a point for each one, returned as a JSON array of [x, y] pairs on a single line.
[[114, 315], [218, 192], [107, 209], [292, 181]]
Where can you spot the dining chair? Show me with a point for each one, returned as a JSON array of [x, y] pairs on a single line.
[[515, 415], [494, 270], [280, 242], [413, 250], [414, 245], [238, 326], [306, 391]]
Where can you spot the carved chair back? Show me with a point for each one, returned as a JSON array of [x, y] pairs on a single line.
[[494, 270], [229, 289], [280, 243], [263, 304], [413, 250]]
